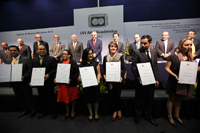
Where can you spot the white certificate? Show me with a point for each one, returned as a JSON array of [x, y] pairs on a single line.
[[37, 77], [146, 73], [5, 72], [113, 71], [188, 72], [16, 72], [88, 76], [63, 72]]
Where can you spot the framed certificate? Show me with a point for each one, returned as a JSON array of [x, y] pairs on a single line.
[[113, 71], [146, 73]]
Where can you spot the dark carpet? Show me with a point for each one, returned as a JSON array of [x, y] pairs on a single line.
[[9, 123]]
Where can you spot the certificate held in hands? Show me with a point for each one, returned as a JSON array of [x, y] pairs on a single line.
[[63, 72], [113, 71], [5, 72], [37, 77], [88, 76], [188, 72], [146, 73], [16, 72]]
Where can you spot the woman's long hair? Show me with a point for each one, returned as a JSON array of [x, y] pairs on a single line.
[[85, 55], [180, 45]]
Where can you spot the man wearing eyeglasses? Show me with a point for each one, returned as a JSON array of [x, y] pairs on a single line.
[[46, 92], [37, 43], [22, 90], [164, 47], [144, 94]]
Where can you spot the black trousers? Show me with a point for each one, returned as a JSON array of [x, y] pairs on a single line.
[[115, 95], [144, 100], [23, 92], [47, 98]]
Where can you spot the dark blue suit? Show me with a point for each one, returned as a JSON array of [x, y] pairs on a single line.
[[97, 48]]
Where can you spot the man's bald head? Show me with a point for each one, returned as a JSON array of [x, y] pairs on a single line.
[[4, 45], [20, 41], [74, 38], [137, 37], [38, 37]]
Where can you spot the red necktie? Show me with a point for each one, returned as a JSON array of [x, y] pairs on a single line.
[[19, 48], [94, 43]]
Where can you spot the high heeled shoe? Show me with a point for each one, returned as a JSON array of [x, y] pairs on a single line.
[[172, 124], [183, 124]]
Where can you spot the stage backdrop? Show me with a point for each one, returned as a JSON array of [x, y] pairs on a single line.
[[104, 20]]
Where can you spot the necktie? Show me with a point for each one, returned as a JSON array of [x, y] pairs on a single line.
[[6, 52], [56, 49], [93, 42], [41, 59], [149, 57], [38, 43], [193, 48], [74, 46], [138, 45], [20, 47], [15, 61]]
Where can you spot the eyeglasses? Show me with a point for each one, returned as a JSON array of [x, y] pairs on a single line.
[[42, 49], [12, 50], [66, 54]]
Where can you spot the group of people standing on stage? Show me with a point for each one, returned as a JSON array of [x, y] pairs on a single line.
[[188, 49]]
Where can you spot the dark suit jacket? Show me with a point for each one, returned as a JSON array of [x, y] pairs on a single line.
[[197, 47], [123, 67], [61, 48], [97, 48], [4, 57], [132, 48], [50, 64], [25, 51], [120, 47], [74, 72], [77, 52], [35, 45], [160, 48], [140, 56], [26, 69]]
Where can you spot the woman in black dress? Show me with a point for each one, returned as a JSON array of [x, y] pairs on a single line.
[[91, 94], [115, 88], [172, 67]]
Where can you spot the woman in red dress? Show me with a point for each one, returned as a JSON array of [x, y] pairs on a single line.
[[69, 92]]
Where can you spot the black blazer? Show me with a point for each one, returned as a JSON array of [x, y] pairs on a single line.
[[25, 51], [4, 57], [50, 64], [35, 45], [197, 47], [140, 56], [74, 72], [26, 69], [123, 67], [132, 48]]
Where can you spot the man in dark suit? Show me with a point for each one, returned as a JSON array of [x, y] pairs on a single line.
[[164, 47], [144, 95], [22, 90], [120, 44], [135, 45], [4, 53], [46, 92], [25, 50], [96, 45], [196, 47], [37, 43], [76, 48], [57, 48]]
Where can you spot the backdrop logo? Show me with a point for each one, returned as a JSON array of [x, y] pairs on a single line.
[[98, 20]]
